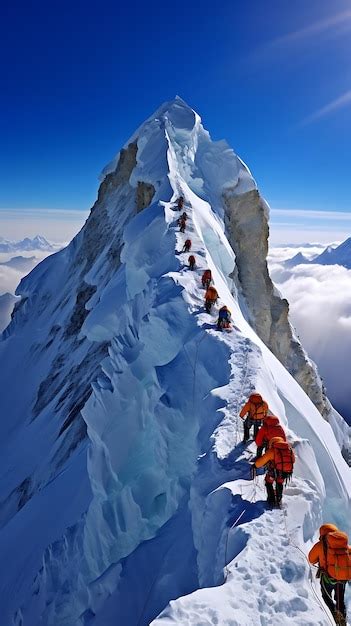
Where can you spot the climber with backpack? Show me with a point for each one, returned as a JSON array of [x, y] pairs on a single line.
[[183, 216], [192, 262], [280, 459], [333, 556], [270, 428], [180, 203], [206, 278], [256, 410], [224, 317], [211, 297], [187, 245], [182, 225]]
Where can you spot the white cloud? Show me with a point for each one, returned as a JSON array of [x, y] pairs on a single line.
[[10, 279], [308, 214], [320, 309], [334, 23], [297, 225], [338, 103]]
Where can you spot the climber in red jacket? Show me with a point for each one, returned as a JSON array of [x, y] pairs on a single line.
[[180, 203], [271, 428], [187, 245], [206, 278], [182, 224], [192, 262]]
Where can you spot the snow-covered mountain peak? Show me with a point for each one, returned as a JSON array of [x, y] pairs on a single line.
[[174, 140], [121, 459]]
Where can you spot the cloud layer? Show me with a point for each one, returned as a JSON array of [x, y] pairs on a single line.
[[10, 277], [320, 310]]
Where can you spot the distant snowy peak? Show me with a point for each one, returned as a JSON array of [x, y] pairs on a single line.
[[298, 259], [37, 243], [336, 256], [332, 255]]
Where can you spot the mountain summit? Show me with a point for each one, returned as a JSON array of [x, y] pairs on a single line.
[[125, 493]]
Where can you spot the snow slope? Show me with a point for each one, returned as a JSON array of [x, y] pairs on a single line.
[[125, 485]]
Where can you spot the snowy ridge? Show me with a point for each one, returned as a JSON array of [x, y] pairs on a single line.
[[138, 510]]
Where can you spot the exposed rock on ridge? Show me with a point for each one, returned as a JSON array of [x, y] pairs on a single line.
[[248, 231]]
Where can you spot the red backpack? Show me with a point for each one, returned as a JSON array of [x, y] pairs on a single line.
[[284, 457]]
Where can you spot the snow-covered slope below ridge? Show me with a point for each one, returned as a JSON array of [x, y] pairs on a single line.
[[116, 501]]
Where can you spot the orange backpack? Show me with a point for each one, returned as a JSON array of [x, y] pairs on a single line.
[[284, 457], [211, 294], [338, 556]]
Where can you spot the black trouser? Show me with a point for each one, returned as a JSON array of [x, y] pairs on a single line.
[[333, 595], [247, 425]]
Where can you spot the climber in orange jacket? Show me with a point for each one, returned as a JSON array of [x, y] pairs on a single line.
[[256, 410], [206, 278], [271, 428], [333, 556], [280, 459], [192, 262], [211, 297]]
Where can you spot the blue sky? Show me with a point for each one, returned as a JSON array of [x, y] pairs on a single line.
[[273, 77]]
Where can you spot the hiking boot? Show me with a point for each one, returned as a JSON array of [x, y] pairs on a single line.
[[340, 620], [270, 495]]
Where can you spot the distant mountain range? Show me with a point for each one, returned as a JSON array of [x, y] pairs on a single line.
[[341, 255], [37, 243], [21, 263]]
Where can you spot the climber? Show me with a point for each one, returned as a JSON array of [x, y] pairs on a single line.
[[211, 297], [182, 225], [280, 459], [224, 317], [206, 278], [271, 428], [333, 555], [184, 216], [192, 262], [256, 410], [187, 245], [180, 203]]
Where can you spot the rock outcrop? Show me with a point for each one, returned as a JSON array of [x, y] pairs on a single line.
[[246, 217]]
